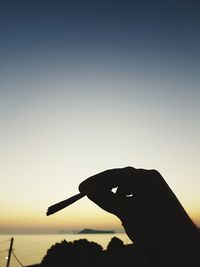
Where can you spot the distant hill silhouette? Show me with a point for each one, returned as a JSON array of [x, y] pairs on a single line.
[[92, 231]]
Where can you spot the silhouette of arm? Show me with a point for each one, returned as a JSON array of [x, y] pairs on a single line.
[[151, 214]]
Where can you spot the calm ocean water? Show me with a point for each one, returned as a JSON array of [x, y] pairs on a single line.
[[30, 249]]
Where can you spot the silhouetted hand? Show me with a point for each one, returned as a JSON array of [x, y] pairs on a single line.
[[151, 214]]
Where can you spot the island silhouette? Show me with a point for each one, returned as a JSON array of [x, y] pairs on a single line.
[[93, 231]]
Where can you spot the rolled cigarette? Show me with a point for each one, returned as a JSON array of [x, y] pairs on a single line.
[[63, 204]]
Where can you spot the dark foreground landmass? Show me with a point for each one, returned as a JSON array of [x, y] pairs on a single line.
[[82, 253]]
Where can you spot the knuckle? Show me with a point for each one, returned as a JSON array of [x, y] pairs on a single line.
[[129, 169], [156, 175], [155, 172]]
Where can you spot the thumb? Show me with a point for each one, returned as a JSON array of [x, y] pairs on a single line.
[[106, 200]]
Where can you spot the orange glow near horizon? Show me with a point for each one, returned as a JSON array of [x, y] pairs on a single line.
[[66, 220], [27, 218]]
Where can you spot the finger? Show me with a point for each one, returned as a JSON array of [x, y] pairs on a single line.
[[106, 180], [107, 201], [130, 181], [124, 190]]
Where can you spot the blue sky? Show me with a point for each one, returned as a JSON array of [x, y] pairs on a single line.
[[91, 85]]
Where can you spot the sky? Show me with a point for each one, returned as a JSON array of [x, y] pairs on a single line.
[[93, 85]]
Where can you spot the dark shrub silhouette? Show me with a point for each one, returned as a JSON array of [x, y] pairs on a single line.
[[77, 253], [90, 254], [115, 244], [120, 255]]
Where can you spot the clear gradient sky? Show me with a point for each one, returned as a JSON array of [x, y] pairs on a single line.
[[92, 85]]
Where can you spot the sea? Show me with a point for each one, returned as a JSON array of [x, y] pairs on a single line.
[[30, 249]]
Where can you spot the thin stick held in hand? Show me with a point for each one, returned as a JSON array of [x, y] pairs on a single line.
[[63, 204]]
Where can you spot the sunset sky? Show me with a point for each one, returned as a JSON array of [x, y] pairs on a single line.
[[88, 86]]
